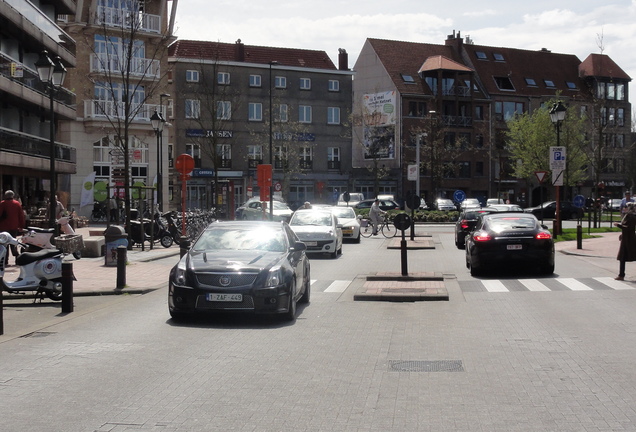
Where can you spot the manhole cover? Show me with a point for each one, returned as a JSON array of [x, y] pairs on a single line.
[[426, 366]]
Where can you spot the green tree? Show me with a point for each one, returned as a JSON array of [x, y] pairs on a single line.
[[530, 136]]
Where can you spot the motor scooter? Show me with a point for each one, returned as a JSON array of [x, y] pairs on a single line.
[[39, 271], [159, 232], [172, 228], [37, 239]]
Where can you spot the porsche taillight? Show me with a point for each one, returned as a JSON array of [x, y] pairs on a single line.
[[464, 224], [543, 235], [481, 236]]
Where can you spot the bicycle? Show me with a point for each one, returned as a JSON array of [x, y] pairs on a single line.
[[386, 228]]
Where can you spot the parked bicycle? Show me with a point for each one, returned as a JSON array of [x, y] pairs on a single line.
[[386, 227], [99, 213]]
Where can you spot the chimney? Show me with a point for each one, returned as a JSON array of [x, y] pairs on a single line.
[[240, 51], [343, 59]]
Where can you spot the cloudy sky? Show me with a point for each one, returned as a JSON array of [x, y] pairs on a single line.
[[578, 27]]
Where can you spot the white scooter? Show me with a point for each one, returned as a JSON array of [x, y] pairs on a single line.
[[39, 271], [37, 239]]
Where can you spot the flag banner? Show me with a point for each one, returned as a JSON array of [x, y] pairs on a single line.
[[88, 188]]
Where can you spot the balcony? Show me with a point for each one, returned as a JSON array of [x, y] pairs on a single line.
[[457, 121], [116, 17], [42, 22], [30, 145], [139, 67], [101, 109]]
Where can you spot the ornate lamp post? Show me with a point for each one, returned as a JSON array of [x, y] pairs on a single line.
[[157, 121], [557, 115], [52, 74]]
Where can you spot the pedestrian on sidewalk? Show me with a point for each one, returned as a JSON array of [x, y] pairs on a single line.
[[11, 220], [627, 248], [623, 206]]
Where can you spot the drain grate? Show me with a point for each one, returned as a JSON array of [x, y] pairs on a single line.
[[426, 366], [37, 334]]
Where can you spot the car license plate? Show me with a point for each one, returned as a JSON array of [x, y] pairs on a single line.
[[225, 297], [311, 243], [514, 247], [347, 231]]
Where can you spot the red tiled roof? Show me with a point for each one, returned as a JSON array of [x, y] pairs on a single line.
[[441, 62], [293, 57], [600, 65]]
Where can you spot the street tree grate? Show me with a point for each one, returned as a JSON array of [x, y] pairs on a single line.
[[426, 366]]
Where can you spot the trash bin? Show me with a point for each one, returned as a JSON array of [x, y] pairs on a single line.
[[114, 236]]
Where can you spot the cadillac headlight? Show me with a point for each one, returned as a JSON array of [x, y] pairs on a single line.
[[275, 277], [180, 274]]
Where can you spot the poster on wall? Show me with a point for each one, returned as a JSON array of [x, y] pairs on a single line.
[[379, 125]]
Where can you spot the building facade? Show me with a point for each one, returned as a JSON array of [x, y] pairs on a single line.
[[453, 101], [27, 29], [239, 106], [120, 82]]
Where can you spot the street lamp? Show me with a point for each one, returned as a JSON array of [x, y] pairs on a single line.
[[557, 115], [271, 152], [52, 74], [157, 121]]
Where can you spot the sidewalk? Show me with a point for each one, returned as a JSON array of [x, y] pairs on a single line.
[[605, 246], [143, 272]]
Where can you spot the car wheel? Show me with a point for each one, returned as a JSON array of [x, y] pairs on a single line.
[[548, 269], [307, 283], [290, 315], [357, 239], [475, 271]]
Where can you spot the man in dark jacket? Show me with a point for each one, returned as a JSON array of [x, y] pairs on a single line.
[[627, 248], [11, 219]]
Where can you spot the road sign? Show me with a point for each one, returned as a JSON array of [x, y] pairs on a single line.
[[412, 173], [557, 158], [278, 187], [184, 163], [579, 201], [557, 178], [541, 175], [402, 221], [459, 196]]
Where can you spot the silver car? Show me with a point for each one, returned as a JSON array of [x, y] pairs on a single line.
[[319, 229], [253, 210]]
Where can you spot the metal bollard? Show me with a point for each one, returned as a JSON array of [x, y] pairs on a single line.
[[121, 266], [579, 236], [67, 287], [184, 245]]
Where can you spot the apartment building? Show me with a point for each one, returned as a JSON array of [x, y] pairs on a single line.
[[240, 105], [28, 28], [120, 82], [452, 102]]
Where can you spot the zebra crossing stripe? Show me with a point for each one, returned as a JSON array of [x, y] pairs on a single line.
[[338, 286], [494, 286], [614, 284], [573, 284], [533, 285]]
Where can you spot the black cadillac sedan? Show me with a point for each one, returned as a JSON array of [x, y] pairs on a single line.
[[255, 267], [501, 239]]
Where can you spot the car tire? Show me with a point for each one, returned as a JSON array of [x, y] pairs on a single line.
[[290, 315], [357, 239], [307, 294], [548, 269]]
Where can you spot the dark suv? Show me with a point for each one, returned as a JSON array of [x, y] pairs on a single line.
[[465, 224]]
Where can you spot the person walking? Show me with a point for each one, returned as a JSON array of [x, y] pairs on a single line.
[[628, 198], [11, 220], [375, 212], [627, 248]]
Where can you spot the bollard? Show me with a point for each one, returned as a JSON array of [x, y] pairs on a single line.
[[555, 229], [121, 266], [579, 236], [184, 245], [67, 287]]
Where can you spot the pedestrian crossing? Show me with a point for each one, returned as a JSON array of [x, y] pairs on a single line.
[[330, 286], [547, 284]]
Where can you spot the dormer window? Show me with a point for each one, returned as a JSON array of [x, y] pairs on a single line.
[[408, 79], [504, 83]]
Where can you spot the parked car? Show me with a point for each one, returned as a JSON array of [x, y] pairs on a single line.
[[504, 208], [466, 223], [491, 201], [384, 204], [349, 221], [548, 209], [319, 229], [444, 204], [470, 203], [614, 204], [354, 198], [257, 267], [253, 210], [501, 239]]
